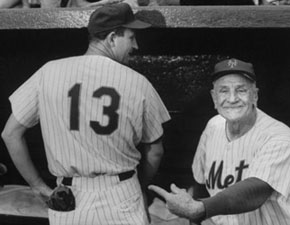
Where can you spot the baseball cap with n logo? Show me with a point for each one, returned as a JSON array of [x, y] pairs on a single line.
[[233, 66]]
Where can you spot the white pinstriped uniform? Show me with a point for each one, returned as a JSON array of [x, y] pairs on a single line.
[[93, 111], [263, 152]]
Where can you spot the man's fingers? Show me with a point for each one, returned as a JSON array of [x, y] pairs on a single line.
[[159, 191], [176, 189]]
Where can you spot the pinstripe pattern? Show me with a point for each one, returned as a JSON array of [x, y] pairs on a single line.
[[263, 152], [76, 99], [120, 204]]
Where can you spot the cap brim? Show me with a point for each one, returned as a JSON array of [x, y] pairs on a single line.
[[137, 24], [220, 74]]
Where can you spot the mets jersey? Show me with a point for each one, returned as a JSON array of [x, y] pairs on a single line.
[[263, 152], [93, 113]]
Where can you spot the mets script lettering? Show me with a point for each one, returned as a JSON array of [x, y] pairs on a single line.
[[215, 175]]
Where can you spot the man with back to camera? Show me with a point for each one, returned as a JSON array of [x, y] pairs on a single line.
[[93, 111], [243, 158]]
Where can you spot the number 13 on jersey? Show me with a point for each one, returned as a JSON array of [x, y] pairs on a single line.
[[110, 111]]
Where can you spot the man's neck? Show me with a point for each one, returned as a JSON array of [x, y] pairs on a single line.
[[236, 129], [98, 48]]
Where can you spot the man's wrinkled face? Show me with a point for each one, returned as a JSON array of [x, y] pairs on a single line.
[[124, 46], [234, 97]]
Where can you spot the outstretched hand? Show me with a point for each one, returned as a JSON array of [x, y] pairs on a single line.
[[180, 203]]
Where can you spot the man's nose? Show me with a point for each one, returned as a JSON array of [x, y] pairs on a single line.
[[233, 97], [135, 44]]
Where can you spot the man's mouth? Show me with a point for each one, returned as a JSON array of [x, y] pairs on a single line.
[[233, 107]]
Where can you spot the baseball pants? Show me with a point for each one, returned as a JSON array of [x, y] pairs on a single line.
[[103, 200]]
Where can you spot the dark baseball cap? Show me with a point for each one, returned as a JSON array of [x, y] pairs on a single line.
[[112, 16], [233, 66]]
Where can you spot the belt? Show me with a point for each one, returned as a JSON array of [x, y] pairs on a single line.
[[122, 176]]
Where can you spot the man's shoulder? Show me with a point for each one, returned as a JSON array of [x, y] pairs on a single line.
[[62, 61], [216, 122], [272, 126], [132, 74]]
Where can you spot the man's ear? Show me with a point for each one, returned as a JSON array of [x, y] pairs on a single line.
[[111, 39], [256, 96], [213, 96]]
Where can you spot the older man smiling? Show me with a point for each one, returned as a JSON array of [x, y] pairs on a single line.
[[242, 159]]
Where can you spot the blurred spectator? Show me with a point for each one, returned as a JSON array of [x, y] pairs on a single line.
[[201, 2], [6, 4], [93, 3], [275, 2], [50, 3]]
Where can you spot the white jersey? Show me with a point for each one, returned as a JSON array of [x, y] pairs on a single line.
[[263, 152], [93, 112]]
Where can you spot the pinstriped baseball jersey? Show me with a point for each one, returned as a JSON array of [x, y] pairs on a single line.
[[263, 152], [93, 111]]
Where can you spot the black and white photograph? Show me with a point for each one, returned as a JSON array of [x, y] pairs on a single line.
[[145, 112]]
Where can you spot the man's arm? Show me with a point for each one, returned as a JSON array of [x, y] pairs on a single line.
[[244, 196], [13, 136], [150, 161], [149, 164]]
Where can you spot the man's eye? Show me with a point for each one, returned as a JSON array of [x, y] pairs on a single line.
[[242, 90], [223, 91]]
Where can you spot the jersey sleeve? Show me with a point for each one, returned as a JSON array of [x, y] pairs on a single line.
[[272, 165], [24, 101], [154, 115], [199, 160]]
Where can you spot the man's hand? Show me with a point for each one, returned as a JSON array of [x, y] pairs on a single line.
[[62, 199], [180, 203], [42, 191]]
